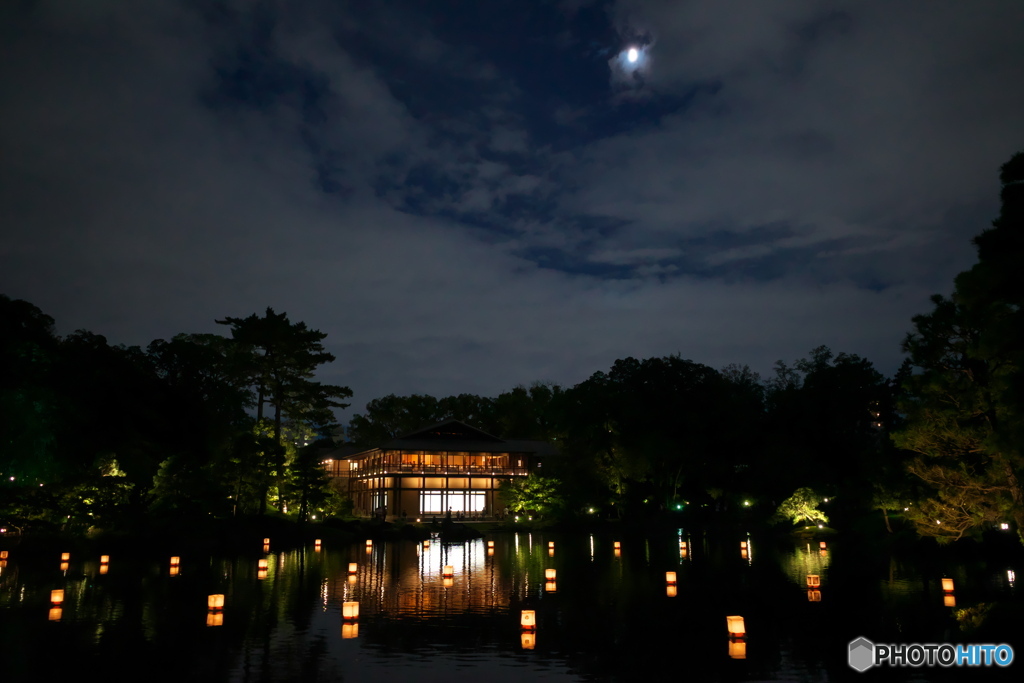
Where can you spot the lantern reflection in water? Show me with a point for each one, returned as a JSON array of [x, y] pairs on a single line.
[[350, 630], [813, 580], [447, 582], [55, 613], [350, 610], [104, 559], [528, 639], [551, 587], [528, 619], [551, 552], [550, 574], [63, 566], [261, 565], [949, 600], [215, 602], [670, 590], [737, 649], [214, 618], [618, 553], [813, 596], [174, 570], [261, 574], [103, 568]]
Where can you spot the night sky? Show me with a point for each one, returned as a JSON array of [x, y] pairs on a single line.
[[472, 195]]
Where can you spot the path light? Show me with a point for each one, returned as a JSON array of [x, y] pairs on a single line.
[[549, 574], [670, 577], [947, 585], [737, 649], [670, 590], [813, 596], [353, 567], [448, 570], [350, 610], [528, 639], [528, 620], [813, 580], [215, 602], [350, 631], [57, 596], [736, 627]]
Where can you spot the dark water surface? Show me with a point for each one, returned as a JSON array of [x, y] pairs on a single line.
[[610, 616]]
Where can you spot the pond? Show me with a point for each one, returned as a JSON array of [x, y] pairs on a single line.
[[607, 615]]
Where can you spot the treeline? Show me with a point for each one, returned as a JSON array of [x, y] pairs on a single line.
[[96, 435]]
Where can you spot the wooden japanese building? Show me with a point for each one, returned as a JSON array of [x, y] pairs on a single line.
[[446, 467]]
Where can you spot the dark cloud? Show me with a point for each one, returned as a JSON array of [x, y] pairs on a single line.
[[465, 198]]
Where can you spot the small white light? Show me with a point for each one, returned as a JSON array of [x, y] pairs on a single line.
[[632, 55]]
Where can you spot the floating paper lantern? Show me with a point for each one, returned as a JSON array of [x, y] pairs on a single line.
[[266, 541], [490, 544], [736, 627], [369, 543], [528, 619], [682, 544], [549, 574], [215, 602], [737, 649], [813, 580], [743, 544], [617, 545], [947, 585], [104, 559], [551, 544], [3, 554], [350, 610], [813, 596], [353, 567], [261, 565], [65, 557], [670, 577], [426, 544], [823, 545], [317, 542], [175, 561], [350, 630], [528, 639], [214, 618], [448, 570], [57, 596], [670, 590]]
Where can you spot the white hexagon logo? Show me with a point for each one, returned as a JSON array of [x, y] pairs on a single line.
[[862, 654]]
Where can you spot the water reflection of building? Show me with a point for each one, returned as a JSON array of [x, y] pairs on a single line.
[[448, 466]]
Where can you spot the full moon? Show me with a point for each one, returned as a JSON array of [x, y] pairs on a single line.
[[632, 54]]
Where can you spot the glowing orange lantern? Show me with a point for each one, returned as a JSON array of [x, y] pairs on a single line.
[[104, 568], [549, 574], [743, 544], [175, 561], [350, 610], [490, 544], [682, 545], [63, 566], [266, 541], [104, 559], [490, 552], [551, 552], [369, 543], [551, 544], [261, 574], [618, 553], [426, 544], [617, 545], [528, 620], [670, 577], [823, 545], [744, 554], [215, 602], [813, 580], [448, 570], [261, 565], [736, 627], [3, 554], [353, 567], [947, 585], [174, 570], [65, 557], [57, 596]]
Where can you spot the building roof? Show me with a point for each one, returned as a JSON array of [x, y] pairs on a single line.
[[453, 435]]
